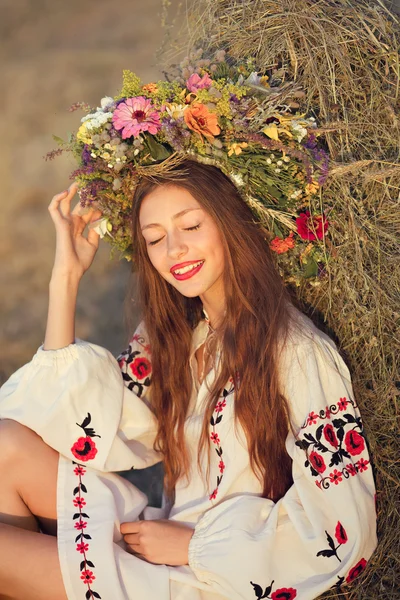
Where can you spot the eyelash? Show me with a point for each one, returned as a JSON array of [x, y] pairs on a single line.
[[187, 229]]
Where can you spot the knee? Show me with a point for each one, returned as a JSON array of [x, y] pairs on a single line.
[[15, 441]]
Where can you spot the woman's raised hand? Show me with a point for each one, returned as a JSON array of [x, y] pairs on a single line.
[[74, 252]]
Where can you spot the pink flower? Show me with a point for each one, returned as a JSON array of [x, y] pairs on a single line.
[[87, 576], [312, 418], [79, 502], [82, 547], [80, 524], [219, 407], [135, 115], [362, 464], [195, 82], [310, 227], [79, 470], [221, 466], [351, 469], [342, 404], [335, 477], [215, 438], [340, 533]]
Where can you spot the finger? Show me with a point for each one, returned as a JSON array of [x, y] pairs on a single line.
[[93, 238], [130, 527], [53, 207], [65, 204]]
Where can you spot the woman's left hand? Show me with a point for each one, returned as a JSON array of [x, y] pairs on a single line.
[[162, 542]]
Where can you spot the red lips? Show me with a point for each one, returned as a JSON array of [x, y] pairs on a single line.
[[187, 274]]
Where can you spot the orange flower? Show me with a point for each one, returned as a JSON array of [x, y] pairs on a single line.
[[280, 246], [199, 119], [150, 88]]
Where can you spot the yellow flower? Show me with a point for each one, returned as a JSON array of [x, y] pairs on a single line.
[[312, 187], [150, 88], [82, 134], [237, 148]]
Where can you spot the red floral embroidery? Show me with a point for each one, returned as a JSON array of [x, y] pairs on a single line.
[[84, 449], [339, 439], [354, 443], [341, 538], [362, 465], [284, 594], [135, 367], [330, 435], [279, 594], [215, 420], [356, 570], [215, 438], [336, 477], [140, 367], [87, 576], [79, 502], [82, 545], [317, 462], [340, 534]]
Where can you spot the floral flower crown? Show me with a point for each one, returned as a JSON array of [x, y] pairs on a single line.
[[219, 113]]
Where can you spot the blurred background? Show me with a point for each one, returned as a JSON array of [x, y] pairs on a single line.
[[53, 54]]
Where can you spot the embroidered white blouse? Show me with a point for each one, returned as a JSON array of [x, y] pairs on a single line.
[[245, 547]]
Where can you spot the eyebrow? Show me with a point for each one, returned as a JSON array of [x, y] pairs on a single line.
[[179, 214]]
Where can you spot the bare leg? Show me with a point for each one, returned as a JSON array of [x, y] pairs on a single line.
[[29, 567]]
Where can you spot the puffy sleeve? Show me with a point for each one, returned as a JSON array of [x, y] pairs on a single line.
[[87, 405], [321, 533]]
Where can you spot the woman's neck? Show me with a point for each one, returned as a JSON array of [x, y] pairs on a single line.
[[214, 307]]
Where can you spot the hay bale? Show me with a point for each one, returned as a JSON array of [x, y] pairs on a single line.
[[344, 55]]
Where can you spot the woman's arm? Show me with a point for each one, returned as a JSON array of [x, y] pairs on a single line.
[[74, 255]]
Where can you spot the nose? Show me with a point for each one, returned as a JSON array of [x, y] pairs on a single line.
[[176, 247]]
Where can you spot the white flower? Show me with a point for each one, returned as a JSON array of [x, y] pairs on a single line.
[[106, 102], [279, 163], [237, 178], [269, 161], [253, 79], [101, 226], [97, 119]]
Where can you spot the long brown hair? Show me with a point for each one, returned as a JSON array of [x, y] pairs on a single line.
[[254, 328]]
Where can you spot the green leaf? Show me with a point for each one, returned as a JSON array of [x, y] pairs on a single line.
[[59, 140], [157, 150], [277, 231], [311, 268]]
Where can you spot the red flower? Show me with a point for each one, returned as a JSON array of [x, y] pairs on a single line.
[[87, 576], [282, 245], [79, 502], [221, 466], [335, 477], [351, 469], [311, 227], [213, 494], [342, 404], [140, 367], [84, 449], [340, 533], [317, 462], [79, 470], [219, 407], [356, 570], [362, 465], [82, 547], [312, 418], [330, 435], [80, 525], [355, 443], [327, 412], [215, 438], [284, 594]]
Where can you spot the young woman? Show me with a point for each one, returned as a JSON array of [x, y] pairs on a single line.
[[268, 486]]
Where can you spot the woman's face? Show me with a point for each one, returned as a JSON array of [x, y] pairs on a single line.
[[183, 242]]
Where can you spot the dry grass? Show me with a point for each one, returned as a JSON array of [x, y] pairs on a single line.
[[345, 56]]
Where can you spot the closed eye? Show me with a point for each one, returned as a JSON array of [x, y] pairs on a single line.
[[187, 229]]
